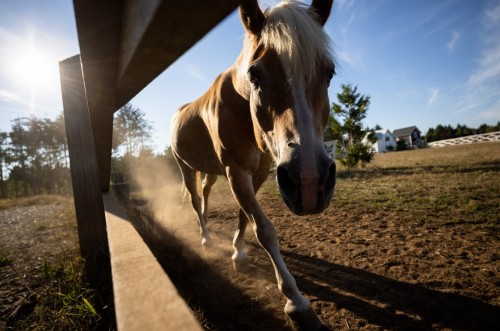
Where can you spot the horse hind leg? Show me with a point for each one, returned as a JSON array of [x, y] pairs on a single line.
[[191, 179]]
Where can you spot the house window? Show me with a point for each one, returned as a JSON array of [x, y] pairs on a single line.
[[387, 138]]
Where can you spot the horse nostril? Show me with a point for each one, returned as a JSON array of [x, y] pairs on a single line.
[[330, 180], [285, 182]]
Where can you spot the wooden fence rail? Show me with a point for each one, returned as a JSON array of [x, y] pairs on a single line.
[[124, 45]]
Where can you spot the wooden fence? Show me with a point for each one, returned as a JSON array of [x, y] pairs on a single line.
[[124, 45], [477, 138]]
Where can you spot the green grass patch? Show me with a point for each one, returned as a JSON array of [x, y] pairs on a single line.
[[63, 302], [4, 260]]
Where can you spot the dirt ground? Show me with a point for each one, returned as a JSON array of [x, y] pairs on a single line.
[[362, 266], [361, 269], [32, 238]]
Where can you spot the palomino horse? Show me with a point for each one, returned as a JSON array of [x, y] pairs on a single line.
[[272, 103]]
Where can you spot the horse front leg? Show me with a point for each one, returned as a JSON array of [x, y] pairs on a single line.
[[297, 307], [240, 256]]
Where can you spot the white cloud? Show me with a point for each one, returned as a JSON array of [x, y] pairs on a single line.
[[482, 88], [342, 4], [492, 16], [196, 73], [434, 12], [455, 37], [10, 97], [433, 96], [352, 58], [489, 67]]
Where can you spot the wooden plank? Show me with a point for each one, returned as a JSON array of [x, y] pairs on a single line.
[[125, 44], [145, 298], [99, 25], [136, 19], [84, 172], [101, 120], [144, 38], [156, 33]]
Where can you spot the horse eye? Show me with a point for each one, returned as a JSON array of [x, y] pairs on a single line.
[[331, 73], [253, 76]]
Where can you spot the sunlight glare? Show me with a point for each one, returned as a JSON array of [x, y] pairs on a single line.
[[34, 68]]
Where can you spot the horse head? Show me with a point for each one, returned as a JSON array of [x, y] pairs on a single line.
[[286, 70]]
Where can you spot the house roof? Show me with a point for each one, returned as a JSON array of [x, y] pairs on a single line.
[[405, 131], [384, 131]]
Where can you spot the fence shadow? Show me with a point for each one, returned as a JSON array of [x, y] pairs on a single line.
[[217, 304], [429, 309], [382, 301]]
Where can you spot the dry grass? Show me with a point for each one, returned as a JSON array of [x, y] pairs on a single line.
[[454, 183], [422, 221], [42, 281], [44, 199], [458, 183], [458, 157], [449, 184]]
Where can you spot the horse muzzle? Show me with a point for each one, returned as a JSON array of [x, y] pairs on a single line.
[[306, 194]]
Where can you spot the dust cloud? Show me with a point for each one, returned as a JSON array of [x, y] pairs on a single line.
[[159, 192]]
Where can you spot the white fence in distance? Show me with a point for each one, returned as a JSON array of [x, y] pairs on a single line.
[[477, 138]]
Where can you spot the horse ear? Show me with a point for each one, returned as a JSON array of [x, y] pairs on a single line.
[[251, 16], [322, 8]]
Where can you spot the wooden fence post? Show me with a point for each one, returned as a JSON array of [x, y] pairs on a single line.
[[84, 173]]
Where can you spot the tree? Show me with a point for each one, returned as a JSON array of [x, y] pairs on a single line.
[[448, 132], [3, 157], [18, 154], [131, 130], [345, 126]]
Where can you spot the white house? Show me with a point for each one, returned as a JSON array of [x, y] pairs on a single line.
[[410, 135], [386, 141]]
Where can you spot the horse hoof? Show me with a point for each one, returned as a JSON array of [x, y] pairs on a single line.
[[241, 266], [305, 321]]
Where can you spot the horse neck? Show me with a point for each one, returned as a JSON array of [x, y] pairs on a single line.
[[239, 69]]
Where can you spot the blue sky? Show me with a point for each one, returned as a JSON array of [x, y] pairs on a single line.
[[423, 62]]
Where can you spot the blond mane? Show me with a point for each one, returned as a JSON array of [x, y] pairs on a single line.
[[291, 30]]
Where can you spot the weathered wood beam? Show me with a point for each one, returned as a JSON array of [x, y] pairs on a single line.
[[145, 297], [84, 173], [99, 27], [125, 44], [156, 33]]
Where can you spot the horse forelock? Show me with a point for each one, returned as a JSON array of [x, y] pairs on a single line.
[[300, 41]]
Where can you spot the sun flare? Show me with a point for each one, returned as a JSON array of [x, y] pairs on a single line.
[[34, 68]]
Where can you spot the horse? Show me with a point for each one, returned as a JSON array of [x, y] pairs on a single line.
[[270, 105]]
